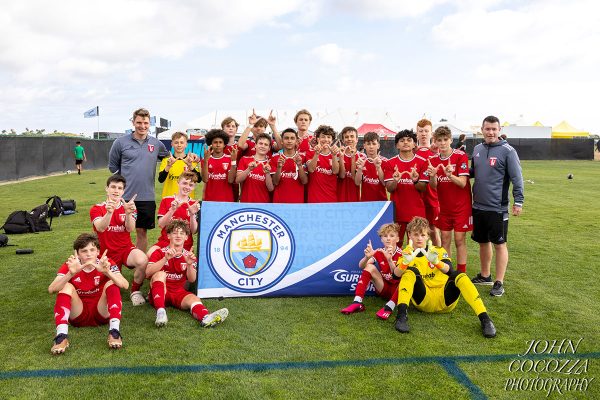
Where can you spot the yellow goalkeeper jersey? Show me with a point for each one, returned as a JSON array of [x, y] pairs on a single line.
[[432, 277]]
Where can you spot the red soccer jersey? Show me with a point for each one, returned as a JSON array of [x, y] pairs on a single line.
[[372, 189], [254, 187], [289, 189], [430, 196], [384, 268], [305, 146], [453, 198], [407, 200], [346, 188], [322, 184], [115, 237], [217, 188], [175, 268], [182, 212], [89, 284]]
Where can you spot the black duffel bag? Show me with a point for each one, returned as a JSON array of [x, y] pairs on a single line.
[[69, 205]]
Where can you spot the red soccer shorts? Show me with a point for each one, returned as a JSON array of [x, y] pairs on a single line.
[[89, 315], [462, 222], [120, 256], [432, 214], [388, 290], [173, 297]]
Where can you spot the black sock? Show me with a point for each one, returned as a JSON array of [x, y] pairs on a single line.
[[387, 308], [483, 316], [402, 309]]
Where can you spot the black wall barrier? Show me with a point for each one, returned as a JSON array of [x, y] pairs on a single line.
[[21, 157], [528, 149]]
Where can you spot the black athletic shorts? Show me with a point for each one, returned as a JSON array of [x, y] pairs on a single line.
[[146, 214], [489, 226], [77, 162]]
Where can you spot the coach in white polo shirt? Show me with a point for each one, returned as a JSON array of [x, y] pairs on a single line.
[[135, 156]]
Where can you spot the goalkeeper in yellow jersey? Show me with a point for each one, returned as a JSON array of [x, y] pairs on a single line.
[[430, 283]]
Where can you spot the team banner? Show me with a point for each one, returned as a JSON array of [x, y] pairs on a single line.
[[285, 249]]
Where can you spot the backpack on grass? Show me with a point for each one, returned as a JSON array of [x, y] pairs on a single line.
[[18, 222], [38, 216], [56, 207]]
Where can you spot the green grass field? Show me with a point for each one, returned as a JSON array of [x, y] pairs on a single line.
[[303, 347]]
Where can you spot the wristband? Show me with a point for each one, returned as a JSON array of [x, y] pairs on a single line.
[[234, 163]]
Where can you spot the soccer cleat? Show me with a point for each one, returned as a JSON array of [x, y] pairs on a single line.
[[354, 307], [115, 341], [384, 313], [61, 343], [482, 280], [488, 328], [401, 324], [161, 318], [137, 299], [214, 318], [497, 289]]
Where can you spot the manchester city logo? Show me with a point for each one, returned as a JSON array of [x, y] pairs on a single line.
[[250, 250]]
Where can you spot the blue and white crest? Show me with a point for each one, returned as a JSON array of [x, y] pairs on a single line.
[[250, 250]]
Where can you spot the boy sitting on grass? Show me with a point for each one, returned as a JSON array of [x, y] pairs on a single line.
[[169, 268], [430, 283], [88, 293], [377, 266]]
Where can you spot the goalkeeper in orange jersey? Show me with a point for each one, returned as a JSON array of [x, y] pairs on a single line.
[[430, 283]]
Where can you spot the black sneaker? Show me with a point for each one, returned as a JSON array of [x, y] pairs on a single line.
[[497, 290], [401, 324], [482, 280], [488, 328]]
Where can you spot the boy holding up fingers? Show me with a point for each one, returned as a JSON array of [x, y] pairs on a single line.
[[113, 221], [169, 269], [88, 293], [254, 173], [289, 171]]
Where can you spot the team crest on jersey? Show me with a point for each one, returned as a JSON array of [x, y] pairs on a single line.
[[225, 165], [493, 161], [151, 148], [96, 280], [250, 250], [122, 217], [463, 166]]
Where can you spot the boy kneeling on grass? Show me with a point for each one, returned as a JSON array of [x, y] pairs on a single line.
[[88, 293], [169, 268], [430, 283], [377, 266]]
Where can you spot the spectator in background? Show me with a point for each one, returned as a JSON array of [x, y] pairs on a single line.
[[79, 156], [461, 144], [135, 156]]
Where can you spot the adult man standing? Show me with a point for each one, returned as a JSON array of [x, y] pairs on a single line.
[[494, 166], [135, 156]]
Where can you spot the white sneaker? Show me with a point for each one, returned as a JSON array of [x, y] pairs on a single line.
[[161, 317], [214, 318], [137, 299]]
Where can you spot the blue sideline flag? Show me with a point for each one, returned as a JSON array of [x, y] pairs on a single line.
[[94, 112]]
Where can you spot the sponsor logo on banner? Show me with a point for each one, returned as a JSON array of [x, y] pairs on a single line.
[[250, 250]]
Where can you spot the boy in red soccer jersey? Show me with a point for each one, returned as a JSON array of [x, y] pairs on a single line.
[[347, 189], [169, 269], [427, 150], [113, 220], [377, 266], [302, 119], [254, 173], [288, 171], [88, 293], [429, 282], [369, 170], [405, 179], [449, 175], [323, 167], [218, 169], [182, 207], [258, 125]]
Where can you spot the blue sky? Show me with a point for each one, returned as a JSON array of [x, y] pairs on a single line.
[[460, 60]]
